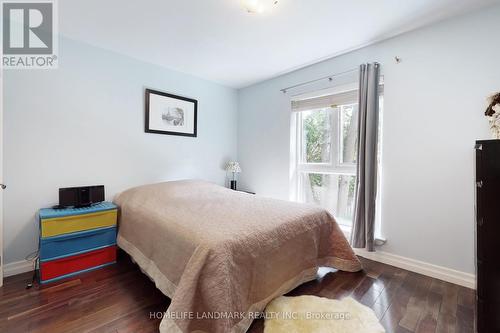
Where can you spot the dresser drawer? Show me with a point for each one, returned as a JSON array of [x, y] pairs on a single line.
[[68, 266], [74, 243], [68, 224]]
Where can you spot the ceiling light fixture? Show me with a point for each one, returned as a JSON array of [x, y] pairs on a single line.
[[258, 6]]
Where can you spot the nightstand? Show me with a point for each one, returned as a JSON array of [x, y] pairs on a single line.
[[76, 240]]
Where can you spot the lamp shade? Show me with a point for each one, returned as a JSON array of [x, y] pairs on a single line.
[[233, 167]]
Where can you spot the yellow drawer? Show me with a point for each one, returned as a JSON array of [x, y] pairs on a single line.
[[74, 223]]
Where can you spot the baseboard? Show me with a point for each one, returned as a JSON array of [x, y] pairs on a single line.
[[17, 267], [442, 273]]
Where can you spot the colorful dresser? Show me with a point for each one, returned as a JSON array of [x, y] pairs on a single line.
[[76, 240]]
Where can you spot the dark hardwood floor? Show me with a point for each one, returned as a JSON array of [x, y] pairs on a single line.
[[121, 299]]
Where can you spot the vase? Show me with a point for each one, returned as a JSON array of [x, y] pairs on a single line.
[[495, 127], [495, 133]]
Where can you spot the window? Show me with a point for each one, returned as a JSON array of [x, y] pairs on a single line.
[[324, 134]]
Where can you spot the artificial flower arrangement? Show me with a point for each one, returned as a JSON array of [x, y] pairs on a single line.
[[493, 113]]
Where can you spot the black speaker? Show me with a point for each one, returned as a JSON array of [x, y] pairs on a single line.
[[83, 196]]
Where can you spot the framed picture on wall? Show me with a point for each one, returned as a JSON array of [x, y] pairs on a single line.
[[170, 114]]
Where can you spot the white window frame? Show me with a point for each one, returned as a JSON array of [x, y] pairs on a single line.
[[334, 167]]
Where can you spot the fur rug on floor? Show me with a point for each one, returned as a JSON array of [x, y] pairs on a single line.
[[311, 314]]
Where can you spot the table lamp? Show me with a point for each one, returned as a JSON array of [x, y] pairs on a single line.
[[233, 167]]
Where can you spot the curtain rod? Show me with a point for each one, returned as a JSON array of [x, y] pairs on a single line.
[[329, 77]]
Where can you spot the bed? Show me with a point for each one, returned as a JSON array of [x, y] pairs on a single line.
[[221, 255]]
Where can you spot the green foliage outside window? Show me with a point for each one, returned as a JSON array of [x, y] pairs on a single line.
[[316, 126]]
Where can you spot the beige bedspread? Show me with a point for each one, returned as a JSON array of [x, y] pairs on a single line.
[[222, 255]]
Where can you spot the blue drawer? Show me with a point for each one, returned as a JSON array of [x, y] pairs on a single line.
[[70, 244]]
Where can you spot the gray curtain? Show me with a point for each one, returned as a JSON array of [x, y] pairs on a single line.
[[363, 228]]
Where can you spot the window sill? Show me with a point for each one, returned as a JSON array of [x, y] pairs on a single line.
[[346, 229]]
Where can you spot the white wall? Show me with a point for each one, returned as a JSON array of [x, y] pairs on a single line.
[[434, 104], [84, 124]]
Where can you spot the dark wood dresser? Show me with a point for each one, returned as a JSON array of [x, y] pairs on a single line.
[[488, 235]]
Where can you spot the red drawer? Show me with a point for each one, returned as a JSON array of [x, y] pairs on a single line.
[[64, 266]]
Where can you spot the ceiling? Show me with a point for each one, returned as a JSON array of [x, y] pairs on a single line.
[[219, 41]]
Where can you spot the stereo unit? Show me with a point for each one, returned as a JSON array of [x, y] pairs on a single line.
[[83, 196]]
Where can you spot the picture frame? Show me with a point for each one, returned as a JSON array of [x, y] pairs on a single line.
[[170, 114]]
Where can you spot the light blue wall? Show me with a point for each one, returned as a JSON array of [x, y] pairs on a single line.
[[434, 104], [84, 124]]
